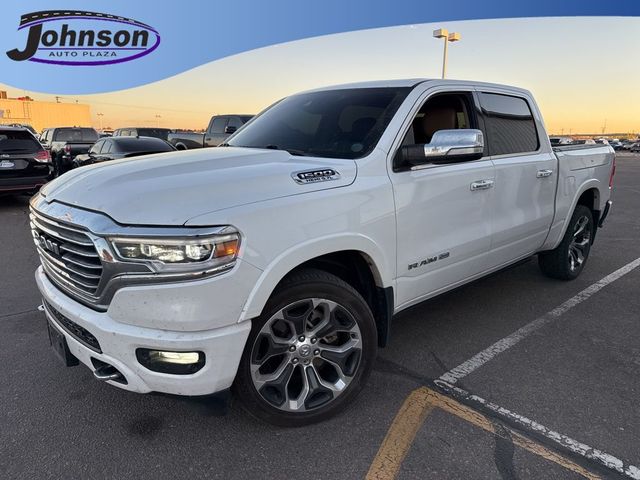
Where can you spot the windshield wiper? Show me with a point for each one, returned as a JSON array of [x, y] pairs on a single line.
[[292, 151]]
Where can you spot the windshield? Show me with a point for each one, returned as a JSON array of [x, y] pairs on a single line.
[[334, 123]]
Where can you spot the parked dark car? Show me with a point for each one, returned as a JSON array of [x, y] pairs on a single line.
[[24, 163], [162, 133], [113, 148], [635, 147], [220, 127], [65, 143], [24, 125]]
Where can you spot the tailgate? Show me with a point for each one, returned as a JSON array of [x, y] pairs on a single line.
[[14, 165], [78, 148]]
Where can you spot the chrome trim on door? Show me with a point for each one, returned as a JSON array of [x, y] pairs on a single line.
[[482, 185]]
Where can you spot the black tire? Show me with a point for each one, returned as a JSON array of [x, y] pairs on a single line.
[[296, 293], [558, 263]]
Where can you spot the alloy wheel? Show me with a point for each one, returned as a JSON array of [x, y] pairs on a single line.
[[578, 248], [306, 355]]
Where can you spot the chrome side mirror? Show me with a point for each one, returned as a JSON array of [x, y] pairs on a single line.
[[447, 146]]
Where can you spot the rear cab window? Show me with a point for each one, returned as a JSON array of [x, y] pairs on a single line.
[[76, 135], [510, 126], [18, 141], [153, 132]]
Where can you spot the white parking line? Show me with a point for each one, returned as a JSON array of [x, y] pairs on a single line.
[[579, 448], [475, 362]]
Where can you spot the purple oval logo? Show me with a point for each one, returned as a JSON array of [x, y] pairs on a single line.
[[71, 37]]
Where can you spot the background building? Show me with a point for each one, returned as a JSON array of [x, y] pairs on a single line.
[[43, 114]]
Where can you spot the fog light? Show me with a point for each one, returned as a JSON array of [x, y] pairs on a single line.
[[175, 363]]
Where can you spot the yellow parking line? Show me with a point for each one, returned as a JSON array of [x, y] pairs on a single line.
[[412, 415], [399, 438]]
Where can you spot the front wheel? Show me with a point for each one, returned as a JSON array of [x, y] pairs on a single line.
[[310, 352], [568, 259]]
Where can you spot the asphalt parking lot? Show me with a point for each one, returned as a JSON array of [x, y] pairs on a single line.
[[454, 396]]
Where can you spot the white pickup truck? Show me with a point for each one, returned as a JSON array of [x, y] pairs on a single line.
[[276, 264]]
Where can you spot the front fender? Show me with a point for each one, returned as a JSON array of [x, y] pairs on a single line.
[[381, 264]]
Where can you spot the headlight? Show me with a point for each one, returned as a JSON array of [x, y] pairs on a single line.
[[180, 254]]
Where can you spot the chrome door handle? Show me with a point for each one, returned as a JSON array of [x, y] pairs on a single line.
[[482, 185], [544, 173]]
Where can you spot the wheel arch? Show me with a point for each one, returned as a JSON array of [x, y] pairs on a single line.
[[589, 195], [357, 261]]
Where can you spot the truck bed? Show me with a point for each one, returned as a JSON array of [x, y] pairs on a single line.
[[580, 168]]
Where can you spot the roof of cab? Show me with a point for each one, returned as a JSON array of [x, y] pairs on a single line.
[[412, 82]]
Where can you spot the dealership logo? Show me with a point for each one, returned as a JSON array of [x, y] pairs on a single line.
[[70, 37]]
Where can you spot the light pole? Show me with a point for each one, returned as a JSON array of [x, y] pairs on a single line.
[[100, 115], [448, 37], [158, 121]]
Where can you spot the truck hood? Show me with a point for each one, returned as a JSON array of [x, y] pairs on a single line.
[[171, 188]]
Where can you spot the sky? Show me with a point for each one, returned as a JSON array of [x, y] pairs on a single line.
[[583, 71]]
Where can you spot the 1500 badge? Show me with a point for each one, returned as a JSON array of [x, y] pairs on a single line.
[[428, 260], [314, 176]]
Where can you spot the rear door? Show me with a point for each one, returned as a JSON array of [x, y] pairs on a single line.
[[106, 153], [443, 222], [526, 174]]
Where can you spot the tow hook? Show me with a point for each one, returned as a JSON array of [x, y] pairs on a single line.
[[106, 373]]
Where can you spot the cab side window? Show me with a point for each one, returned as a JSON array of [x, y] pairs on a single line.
[[511, 128], [440, 112]]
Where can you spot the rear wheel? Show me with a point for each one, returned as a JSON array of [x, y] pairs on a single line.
[[568, 259], [309, 354]]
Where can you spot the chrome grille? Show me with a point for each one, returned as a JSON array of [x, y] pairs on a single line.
[[68, 255]]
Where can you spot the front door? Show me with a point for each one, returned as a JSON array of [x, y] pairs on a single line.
[[443, 211]]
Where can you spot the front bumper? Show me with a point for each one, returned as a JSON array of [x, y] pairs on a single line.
[[118, 341]]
